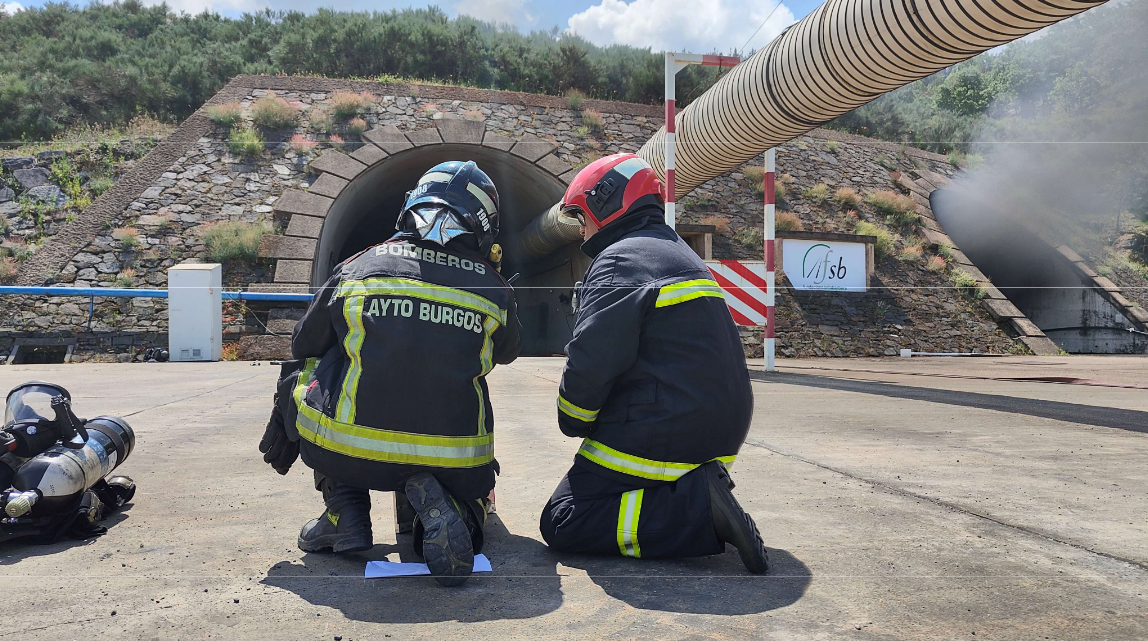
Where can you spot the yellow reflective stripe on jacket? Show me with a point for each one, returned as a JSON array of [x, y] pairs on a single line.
[[421, 290], [628, 513], [686, 291], [353, 345], [390, 446], [612, 459], [486, 360], [573, 411]]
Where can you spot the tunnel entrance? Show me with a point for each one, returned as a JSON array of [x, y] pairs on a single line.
[[365, 212], [1042, 283]]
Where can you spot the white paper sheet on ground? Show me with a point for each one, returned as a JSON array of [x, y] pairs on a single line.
[[384, 569]]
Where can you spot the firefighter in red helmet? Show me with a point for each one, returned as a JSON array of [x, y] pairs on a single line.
[[655, 384]]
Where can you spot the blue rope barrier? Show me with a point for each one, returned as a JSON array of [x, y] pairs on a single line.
[[146, 293]]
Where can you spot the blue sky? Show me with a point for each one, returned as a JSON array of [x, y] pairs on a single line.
[[681, 25]]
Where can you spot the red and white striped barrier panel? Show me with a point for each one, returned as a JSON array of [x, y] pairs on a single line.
[[745, 288]]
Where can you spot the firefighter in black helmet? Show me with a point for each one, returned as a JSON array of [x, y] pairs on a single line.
[[388, 389], [655, 384]]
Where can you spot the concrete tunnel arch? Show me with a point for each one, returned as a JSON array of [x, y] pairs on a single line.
[[365, 211]]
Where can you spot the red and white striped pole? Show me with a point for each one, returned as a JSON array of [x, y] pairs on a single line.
[[770, 247], [675, 62]]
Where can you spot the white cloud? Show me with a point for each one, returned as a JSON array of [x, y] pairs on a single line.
[[695, 26], [11, 7], [497, 11]]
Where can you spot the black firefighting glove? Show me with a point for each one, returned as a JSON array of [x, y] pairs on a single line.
[[278, 451]]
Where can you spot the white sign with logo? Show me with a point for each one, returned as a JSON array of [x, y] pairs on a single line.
[[822, 265]]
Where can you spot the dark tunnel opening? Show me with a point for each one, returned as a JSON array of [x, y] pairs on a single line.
[[366, 211], [1035, 277]]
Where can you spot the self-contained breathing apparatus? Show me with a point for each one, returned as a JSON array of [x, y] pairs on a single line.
[[55, 466]]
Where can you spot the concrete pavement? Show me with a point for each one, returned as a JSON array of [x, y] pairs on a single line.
[[918, 499]]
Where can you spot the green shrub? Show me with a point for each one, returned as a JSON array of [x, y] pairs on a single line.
[[356, 127], [99, 184], [234, 241], [575, 98], [320, 120], [720, 223], [1140, 242], [787, 221], [245, 142], [345, 104], [128, 237], [911, 253], [945, 251], [779, 192], [817, 193], [226, 115], [832, 146], [965, 282], [592, 119], [898, 209], [3, 225], [749, 236], [936, 264], [273, 112], [884, 245], [126, 278], [847, 198], [756, 177]]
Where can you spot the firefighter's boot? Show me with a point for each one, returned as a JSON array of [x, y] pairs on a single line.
[[447, 546], [731, 523], [345, 526]]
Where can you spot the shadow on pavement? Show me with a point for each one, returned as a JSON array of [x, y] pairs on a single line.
[[16, 550], [524, 584], [1123, 419], [716, 584]]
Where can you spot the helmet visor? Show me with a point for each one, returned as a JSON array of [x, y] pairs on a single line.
[[32, 401]]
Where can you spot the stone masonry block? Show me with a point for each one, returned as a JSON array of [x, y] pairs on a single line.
[[368, 154], [304, 203], [532, 147], [388, 138], [568, 176], [1041, 345], [1105, 284], [305, 226], [1138, 314], [457, 130], [424, 137], [293, 271], [281, 288], [553, 164], [937, 238], [497, 141], [287, 247], [328, 185], [342, 165]]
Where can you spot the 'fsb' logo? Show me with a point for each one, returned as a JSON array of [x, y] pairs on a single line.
[[820, 264]]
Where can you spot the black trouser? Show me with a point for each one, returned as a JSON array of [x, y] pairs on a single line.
[[338, 497], [591, 514]]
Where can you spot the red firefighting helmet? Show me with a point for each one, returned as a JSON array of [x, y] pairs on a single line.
[[611, 187]]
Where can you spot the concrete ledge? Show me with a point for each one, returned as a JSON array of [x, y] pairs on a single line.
[[992, 293], [553, 164], [293, 271], [304, 203], [369, 154], [1041, 345], [388, 138], [1025, 327], [497, 141], [334, 162], [328, 185], [568, 176], [827, 235], [305, 226], [1002, 309], [459, 131], [1105, 284], [920, 200], [1139, 314], [937, 238], [287, 247], [532, 147], [1067, 252], [424, 137]]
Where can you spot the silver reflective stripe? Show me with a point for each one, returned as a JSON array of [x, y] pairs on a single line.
[[435, 177], [443, 453], [478, 193], [630, 167], [660, 472]]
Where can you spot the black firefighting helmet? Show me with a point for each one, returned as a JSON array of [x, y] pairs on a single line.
[[452, 199]]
